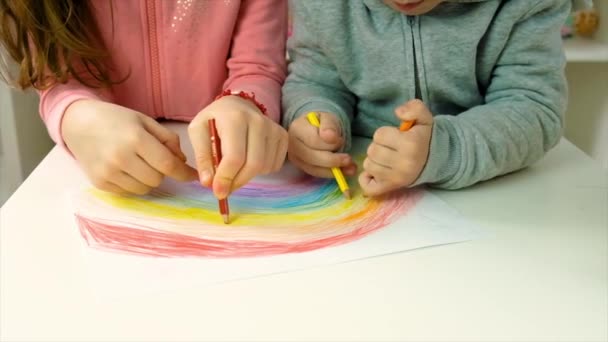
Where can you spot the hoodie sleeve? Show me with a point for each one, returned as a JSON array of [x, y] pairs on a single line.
[[313, 83], [257, 58], [522, 117]]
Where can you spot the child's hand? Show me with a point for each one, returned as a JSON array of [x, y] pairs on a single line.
[[312, 149], [121, 150], [395, 159], [251, 143]]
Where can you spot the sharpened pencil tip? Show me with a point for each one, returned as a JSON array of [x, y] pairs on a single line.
[[226, 219], [347, 194]]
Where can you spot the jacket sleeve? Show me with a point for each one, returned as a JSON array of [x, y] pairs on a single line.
[[522, 117], [313, 83], [257, 58]]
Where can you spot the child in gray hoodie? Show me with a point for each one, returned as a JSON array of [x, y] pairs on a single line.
[[482, 79]]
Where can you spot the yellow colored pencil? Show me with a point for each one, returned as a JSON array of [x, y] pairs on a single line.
[[338, 175]]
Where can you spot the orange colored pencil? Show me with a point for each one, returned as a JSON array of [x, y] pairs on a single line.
[[216, 151], [406, 125]]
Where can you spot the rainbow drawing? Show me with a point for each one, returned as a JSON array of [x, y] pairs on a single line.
[[287, 212]]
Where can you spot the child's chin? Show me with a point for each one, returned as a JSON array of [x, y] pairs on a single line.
[[423, 8], [413, 12]]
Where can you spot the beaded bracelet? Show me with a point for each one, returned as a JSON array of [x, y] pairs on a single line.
[[246, 96]]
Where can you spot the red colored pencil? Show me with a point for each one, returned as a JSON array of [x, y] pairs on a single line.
[[216, 151]]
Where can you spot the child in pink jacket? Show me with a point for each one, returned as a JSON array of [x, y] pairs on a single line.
[[134, 61]]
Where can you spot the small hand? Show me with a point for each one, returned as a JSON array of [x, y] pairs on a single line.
[[251, 143], [313, 149], [121, 150], [396, 159]]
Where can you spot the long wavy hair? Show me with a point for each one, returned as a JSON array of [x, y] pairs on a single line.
[[51, 41]]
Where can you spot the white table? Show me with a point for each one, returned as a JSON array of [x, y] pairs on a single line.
[[541, 275]]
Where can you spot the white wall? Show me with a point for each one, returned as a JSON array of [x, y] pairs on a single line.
[[23, 138], [10, 166], [587, 115]]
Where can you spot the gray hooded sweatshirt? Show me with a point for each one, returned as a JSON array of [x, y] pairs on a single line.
[[490, 71]]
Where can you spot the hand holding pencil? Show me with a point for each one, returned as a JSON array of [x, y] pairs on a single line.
[[336, 171], [313, 149], [397, 156], [253, 144]]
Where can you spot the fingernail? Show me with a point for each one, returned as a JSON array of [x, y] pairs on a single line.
[[346, 161], [221, 191], [206, 177]]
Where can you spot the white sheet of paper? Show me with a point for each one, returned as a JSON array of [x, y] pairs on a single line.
[[112, 275], [430, 222]]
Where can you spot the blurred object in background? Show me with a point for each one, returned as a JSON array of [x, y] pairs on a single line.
[[586, 23], [583, 22]]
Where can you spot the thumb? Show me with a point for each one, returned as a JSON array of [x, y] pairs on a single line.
[[416, 111], [164, 135], [201, 143], [330, 130]]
